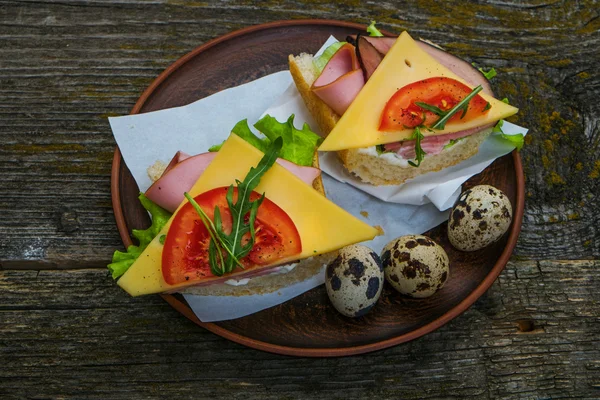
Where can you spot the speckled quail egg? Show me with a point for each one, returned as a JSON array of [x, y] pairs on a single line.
[[415, 265], [480, 217], [354, 280]]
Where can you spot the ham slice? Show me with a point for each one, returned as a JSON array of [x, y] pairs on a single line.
[[168, 190], [368, 56], [341, 80], [179, 177], [177, 158], [382, 44], [455, 64], [431, 145]]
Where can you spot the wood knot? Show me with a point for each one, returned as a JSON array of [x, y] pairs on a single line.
[[528, 326], [68, 221]]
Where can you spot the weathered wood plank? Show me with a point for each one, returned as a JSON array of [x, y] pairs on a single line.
[[65, 66], [74, 334]]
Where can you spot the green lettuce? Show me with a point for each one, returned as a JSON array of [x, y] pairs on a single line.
[[299, 145], [121, 261], [488, 74], [243, 130], [516, 140], [373, 31], [452, 142], [321, 61]]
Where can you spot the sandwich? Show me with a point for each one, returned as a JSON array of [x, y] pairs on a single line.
[[395, 108], [249, 217]]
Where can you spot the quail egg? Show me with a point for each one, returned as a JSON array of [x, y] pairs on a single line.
[[415, 265], [480, 217], [354, 280]]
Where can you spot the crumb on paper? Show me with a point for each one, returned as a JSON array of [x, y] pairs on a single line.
[[156, 170], [380, 230], [365, 214]]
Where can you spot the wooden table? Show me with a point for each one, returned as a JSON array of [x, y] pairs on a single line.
[[67, 331]]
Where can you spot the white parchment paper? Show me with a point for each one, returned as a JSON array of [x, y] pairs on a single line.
[[414, 207]]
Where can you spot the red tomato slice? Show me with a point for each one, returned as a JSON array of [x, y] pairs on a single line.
[[185, 252], [401, 112]]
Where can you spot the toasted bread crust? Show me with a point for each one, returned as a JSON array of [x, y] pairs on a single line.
[[369, 168]]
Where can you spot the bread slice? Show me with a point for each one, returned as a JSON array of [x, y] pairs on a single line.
[[368, 165], [303, 269]]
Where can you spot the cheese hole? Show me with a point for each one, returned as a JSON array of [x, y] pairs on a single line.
[[407, 63]]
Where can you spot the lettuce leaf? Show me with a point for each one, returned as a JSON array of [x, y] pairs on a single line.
[[121, 261], [243, 130], [298, 145], [321, 61], [488, 74], [373, 31], [516, 140], [452, 142]]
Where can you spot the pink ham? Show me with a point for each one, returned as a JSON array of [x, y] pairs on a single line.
[[341, 80], [177, 158], [382, 44], [168, 190], [431, 145], [455, 64], [306, 174], [368, 56]]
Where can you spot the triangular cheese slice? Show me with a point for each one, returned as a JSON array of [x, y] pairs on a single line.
[[322, 225], [404, 64]]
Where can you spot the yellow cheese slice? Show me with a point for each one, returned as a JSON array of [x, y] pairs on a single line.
[[322, 225], [404, 64]]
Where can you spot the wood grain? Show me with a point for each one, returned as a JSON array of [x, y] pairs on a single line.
[[65, 66], [74, 334]]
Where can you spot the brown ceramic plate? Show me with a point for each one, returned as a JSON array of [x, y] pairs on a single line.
[[308, 325]]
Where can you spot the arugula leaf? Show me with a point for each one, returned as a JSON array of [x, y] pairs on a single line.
[[298, 145], [373, 31], [446, 115], [419, 153], [243, 130], [121, 261], [517, 140], [432, 108], [232, 243], [321, 61], [462, 105], [505, 100]]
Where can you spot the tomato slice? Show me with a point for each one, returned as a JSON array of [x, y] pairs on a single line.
[[185, 252], [401, 112]]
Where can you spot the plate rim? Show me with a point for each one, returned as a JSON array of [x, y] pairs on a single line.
[[184, 309]]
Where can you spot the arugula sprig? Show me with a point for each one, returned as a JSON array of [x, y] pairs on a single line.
[[440, 124], [226, 250], [417, 136], [445, 116]]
